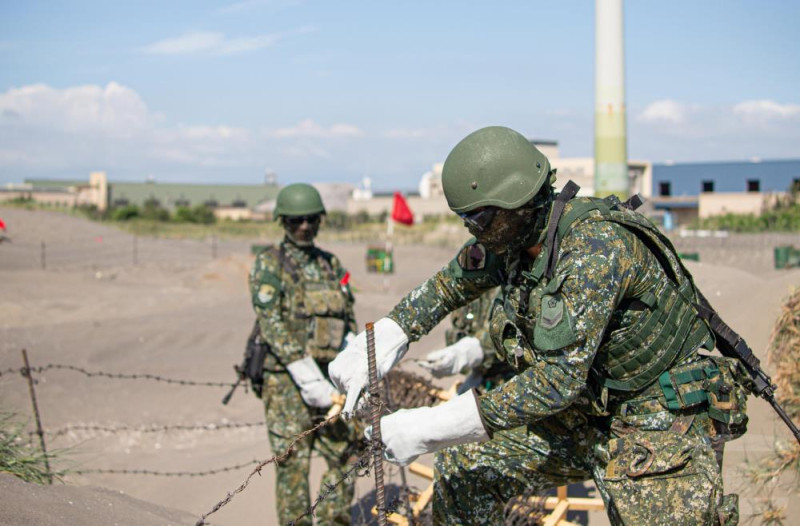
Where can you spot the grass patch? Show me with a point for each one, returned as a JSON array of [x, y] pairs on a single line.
[[18, 456]]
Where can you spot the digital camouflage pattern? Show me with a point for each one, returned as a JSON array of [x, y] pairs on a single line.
[[287, 416], [303, 307], [473, 320], [295, 313], [555, 421]]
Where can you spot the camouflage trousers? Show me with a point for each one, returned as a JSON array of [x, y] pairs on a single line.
[[287, 416], [653, 477]]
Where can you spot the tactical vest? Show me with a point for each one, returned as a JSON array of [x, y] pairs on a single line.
[[661, 326], [315, 310]]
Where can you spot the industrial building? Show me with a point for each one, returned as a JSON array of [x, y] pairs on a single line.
[[678, 193]]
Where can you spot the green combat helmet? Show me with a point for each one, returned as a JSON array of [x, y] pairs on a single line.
[[298, 199], [493, 166]]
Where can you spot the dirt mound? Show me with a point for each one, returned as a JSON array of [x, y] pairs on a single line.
[[56, 505]]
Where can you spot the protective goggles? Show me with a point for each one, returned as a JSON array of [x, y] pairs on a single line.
[[479, 220], [299, 220]]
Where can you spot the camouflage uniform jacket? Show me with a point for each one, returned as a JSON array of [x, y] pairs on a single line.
[[564, 322], [473, 320], [303, 303]]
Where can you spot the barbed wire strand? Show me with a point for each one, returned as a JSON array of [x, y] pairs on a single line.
[[151, 428], [205, 473], [275, 459], [115, 376], [360, 468]]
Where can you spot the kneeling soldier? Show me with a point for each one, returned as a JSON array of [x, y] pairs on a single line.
[[602, 324]]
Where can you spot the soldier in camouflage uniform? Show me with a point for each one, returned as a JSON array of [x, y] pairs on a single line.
[[470, 348], [598, 318], [304, 309]]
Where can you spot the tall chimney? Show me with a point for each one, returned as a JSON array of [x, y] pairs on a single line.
[[610, 133]]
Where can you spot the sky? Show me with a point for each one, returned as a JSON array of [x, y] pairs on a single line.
[[227, 91]]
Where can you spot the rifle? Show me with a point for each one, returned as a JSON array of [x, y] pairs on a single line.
[[732, 345], [252, 366], [239, 379]]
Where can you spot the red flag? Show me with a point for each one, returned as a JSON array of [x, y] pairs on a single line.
[[400, 211], [2, 225]]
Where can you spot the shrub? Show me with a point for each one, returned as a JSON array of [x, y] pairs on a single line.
[[125, 213], [153, 211], [200, 214]]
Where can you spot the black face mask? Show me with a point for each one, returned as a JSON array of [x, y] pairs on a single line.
[[302, 229], [502, 231]]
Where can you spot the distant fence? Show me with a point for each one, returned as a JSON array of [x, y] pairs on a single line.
[[113, 250]]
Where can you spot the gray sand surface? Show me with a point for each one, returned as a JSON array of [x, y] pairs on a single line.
[[178, 313]]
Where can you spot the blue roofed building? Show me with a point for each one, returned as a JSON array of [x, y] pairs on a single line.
[[687, 191]]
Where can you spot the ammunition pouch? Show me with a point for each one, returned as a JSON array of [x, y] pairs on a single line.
[[715, 384]]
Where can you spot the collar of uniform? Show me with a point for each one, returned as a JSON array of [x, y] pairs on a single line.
[[297, 251]]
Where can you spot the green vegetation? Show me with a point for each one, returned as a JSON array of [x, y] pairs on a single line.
[[17, 456], [199, 222], [782, 216], [776, 220]]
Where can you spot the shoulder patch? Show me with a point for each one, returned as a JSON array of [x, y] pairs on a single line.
[[472, 257], [554, 328]]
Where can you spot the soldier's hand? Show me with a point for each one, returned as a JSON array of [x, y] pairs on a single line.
[[349, 371], [463, 355], [409, 433], [315, 389]]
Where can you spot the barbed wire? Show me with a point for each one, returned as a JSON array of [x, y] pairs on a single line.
[[275, 459], [116, 376], [205, 473], [150, 428], [360, 468]]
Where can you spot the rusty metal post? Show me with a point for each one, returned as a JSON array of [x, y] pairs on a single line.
[[375, 420], [39, 430], [409, 512]]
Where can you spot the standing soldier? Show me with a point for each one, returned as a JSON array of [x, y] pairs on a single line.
[[601, 322], [304, 309]]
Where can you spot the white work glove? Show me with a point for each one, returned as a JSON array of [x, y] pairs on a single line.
[[349, 337], [349, 371], [463, 355], [315, 389], [409, 433]]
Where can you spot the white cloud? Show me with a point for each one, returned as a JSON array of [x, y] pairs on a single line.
[[664, 111], [44, 127], [46, 130], [185, 44], [309, 128], [214, 43], [113, 108], [668, 129], [762, 111]]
